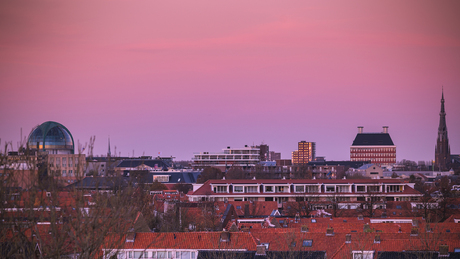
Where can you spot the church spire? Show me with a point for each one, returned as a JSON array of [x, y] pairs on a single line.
[[442, 152], [108, 152]]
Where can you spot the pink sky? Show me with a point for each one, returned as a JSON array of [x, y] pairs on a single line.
[[179, 77]]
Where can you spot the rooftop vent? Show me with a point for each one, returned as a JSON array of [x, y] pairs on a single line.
[[377, 239], [360, 129]]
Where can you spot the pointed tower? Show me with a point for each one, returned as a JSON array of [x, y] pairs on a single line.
[[442, 151], [109, 154]]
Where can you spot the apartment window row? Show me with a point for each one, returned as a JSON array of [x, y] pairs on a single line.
[[155, 255], [373, 149]]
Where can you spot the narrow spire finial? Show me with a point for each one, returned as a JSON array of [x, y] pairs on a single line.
[[108, 152]]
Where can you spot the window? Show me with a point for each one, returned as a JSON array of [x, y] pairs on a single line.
[[238, 188], [220, 189], [373, 188], [70, 161], [268, 188], [64, 173], [307, 243], [70, 172], [64, 161], [312, 188], [251, 189], [342, 188], [58, 161], [161, 178], [330, 188], [363, 254], [300, 188], [360, 188]]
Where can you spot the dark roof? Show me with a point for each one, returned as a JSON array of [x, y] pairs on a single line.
[[174, 177], [373, 139], [101, 183], [148, 162], [353, 164]]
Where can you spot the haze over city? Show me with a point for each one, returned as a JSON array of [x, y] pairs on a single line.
[[179, 77]]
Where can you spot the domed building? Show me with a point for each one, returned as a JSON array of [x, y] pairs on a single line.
[[52, 137]]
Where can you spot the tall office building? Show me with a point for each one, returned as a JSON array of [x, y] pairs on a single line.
[[442, 150], [378, 148], [305, 153]]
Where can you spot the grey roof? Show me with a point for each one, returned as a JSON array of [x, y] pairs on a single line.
[[132, 163], [353, 164], [174, 177], [101, 183], [373, 139]]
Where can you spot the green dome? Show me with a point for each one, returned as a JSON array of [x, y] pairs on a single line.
[[52, 137]]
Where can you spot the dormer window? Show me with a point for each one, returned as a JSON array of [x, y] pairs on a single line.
[[221, 189]]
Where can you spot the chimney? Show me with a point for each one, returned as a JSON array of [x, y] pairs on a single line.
[[377, 239], [360, 129], [443, 250], [348, 238], [385, 129], [261, 250]]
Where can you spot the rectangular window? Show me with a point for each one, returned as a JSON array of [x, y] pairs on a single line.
[[64, 173], [373, 188], [268, 188], [64, 162], [307, 243], [330, 188], [70, 161], [312, 188], [162, 254], [249, 189], [220, 189], [300, 188], [238, 188], [58, 161], [343, 188], [360, 188]]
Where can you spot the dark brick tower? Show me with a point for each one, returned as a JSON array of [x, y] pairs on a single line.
[[442, 151]]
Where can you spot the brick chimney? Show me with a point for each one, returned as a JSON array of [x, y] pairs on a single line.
[[385, 129], [360, 129]]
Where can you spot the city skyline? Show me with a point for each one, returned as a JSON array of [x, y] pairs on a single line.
[[178, 79]]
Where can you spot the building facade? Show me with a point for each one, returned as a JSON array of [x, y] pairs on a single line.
[[305, 153], [442, 150], [284, 190], [245, 157], [377, 148]]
